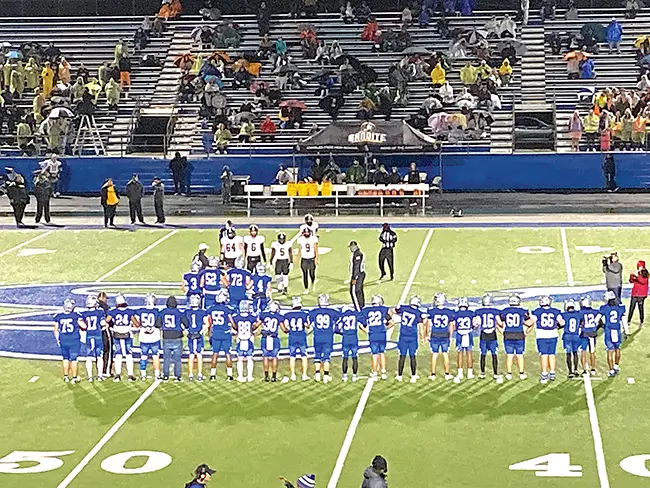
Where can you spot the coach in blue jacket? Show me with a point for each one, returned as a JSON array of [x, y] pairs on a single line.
[[173, 322]]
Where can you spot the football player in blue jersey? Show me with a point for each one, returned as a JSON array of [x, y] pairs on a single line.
[[348, 328], [571, 336], [270, 321], [93, 317], [514, 322], [410, 332], [211, 281], [192, 281], [238, 281], [611, 316], [438, 331], [198, 326], [261, 286], [588, 334], [220, 333], [296, 323], [324, 320], [147, 318], [244, 325], [547, 319], [464, 328], [67, 327], [375, 320], [486, 316], [122, 320]]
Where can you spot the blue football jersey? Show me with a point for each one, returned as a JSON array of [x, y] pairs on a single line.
[[195, 317], [211, 280], [572, 323], [297, 321], [238, 283], [147, 317], [440, 319], [410, 318], [546, 322], [68, 326], [488, 325], [374, 318], [192, 283], [348, 326], [121, 322], [464, 321], [513, 322], [219, 318], [260, 285], [270, 323], [612, 316], [588, 324], [93, 320], [324, 320]]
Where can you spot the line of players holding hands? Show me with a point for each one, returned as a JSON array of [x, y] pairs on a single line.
[[229, 312]]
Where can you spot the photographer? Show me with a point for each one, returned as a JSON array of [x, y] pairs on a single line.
[[613, 270], [639, 282], [202, 475], [375, 475]]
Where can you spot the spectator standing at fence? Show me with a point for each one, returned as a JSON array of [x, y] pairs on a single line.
[[18, 198], [613, 270], [134, 192], [43, 193], [614, 36], [158, 188], [575, 130], [413, 177], [109, 197], [609, 171], [590, 125], [284, 176], [639, 280], [178, 168], [356, 173]]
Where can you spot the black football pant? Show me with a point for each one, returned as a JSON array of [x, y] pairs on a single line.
[[356, 292], [386, 256], [308, 267], [19, 212], [135, 210], [43, 210], [107, 340], [160, 212], [636, 302]]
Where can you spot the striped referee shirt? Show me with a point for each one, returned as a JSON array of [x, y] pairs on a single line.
[[388, 238]]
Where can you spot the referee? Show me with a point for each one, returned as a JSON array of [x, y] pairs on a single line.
[[357, 275], [388, 239], [107, 337]]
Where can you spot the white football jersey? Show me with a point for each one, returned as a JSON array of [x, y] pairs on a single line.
[[313, 227], [282, 251], [308, 246], [254, 245], [231, 248]]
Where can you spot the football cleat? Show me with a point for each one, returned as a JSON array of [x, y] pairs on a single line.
[[414, 379], [448, 377], [523, 376], [432, 377], [398, 378], [481, 376], [344, 378], [355, 378], [305, 377], [508, 376]]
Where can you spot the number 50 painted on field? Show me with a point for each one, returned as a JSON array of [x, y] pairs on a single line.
[[49, 461], [559, 465]]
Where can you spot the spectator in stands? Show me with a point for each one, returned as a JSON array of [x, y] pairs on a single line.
[[525, 10], [370, 29], [47, 75], [280, 46], [247, 131], [332, 171], [17, 83], [605, 128], [266, 48], [222, 138], [446, 93], [32, 71], [424, 18], [449, 7], [571, 11], [438, 75], [356, 174], [362, 13], [639, 132], [407, 16], [23, 137], [178, 168], [140, 39], [77, 90], [336, 52], [207, 137], [507, 27], [403, 39], [121, 50], [170, 9], [6, 73], [112, 90], [627, 123], [37, 105], [366, 109], [263, 19], [413, 176], [186, 91], [380, 177], [110, 198], [310, 8], [468, 74], [226, 184], [547, 10], [576, 127], [587, 69], [268, 129], [283, 176], [590, 126], [614, 36], [347, 13], [124, 65], [63, 72], [631, 9]]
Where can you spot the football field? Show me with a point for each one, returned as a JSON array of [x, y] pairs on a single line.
[[575, 433]]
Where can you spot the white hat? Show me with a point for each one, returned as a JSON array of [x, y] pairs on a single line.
[[203, 247]]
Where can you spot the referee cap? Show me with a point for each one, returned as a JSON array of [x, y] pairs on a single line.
[[306, 481], [353, 244]]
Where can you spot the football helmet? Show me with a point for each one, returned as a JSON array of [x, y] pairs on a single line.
[[274, 307], [253, 229], [569, 304], [245, 306], [439, 299], [323, 300], [514, 300], [222, 296], [213, 262], [585, 302], [195, 267], [230, 233], [282, 237], [296, 302], [120, 300], [463, 302], [195, 301], [545, 301], [415, 301], [239, 263], [91, 301], [609, 295], [377, 300], [260, 269], [486, 300], [150, 300], [309, 219], [68, 305]]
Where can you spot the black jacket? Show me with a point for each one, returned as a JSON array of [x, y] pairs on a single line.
[[158, 192], [17, 193], [178, 165], [357, 265], [134, 190], [43, 190], [413, 177], [609, 166], [103, 194]]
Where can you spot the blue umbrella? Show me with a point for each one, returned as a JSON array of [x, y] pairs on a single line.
[[14, 55]]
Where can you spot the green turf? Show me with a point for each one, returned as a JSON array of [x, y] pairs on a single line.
[[433, 434]]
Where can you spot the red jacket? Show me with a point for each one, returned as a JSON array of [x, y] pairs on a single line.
[[640, 282]]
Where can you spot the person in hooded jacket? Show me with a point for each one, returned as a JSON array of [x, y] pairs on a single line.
[[639, 280], [374, 475]]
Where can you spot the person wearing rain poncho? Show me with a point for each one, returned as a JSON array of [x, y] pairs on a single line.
[[47, 74], [468, 74], [17, 83], [446, 92], [112, 90], [6, 73], [63, 72], [37, 104], [77, 90], [120, 51], [23, 135], [246, 131], [576, 127], [94, 88], [614, 36], [505, 72], [207, 137], [438, 75], [465, 101], [587, 71], [31, 73], [507, 27], [222, 138]]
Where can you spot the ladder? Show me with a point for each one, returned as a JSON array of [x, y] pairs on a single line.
[[88, 135]]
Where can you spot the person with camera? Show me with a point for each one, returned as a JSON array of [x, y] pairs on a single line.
[[202, 475], [613, 270], [639, 280], [375, 475]]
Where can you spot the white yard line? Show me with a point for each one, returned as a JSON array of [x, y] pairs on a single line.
[[352, 429], [137, 256], [33, 379], [108, 436], [23, 244], [595, 431], [356, 418], [567, 259]]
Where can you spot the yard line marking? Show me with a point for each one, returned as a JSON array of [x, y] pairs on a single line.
[[630, 381], [108, 436], [414, 270], [33, 379], [23, 244], [567, 258], [595, 431], [137, 256], [349, 436]]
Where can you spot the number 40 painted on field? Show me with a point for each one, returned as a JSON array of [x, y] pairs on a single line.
[[558, 465]]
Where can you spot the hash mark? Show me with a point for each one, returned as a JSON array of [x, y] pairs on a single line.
[[630, 381], [33, 379]]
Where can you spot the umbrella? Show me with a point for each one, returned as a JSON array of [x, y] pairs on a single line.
[[220, 55], [520, 47], [322, 73], [6, 44], [214, 79], [239, 64], [595, 30], [473, 36], [258, 85], [285, 68], [640, 40], [415, 50], [305, 26], [14, 55], [294, 104], [644, 60], [243, 116], [61, 112], [575, 55], [184, 59]]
